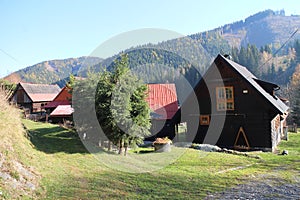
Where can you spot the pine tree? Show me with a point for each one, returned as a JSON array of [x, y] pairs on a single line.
[[296, 105], [297, 49], [83, 99], [243, 56], [254, 57], [122, 111], [235, 54], [268, 49], [295, 95]]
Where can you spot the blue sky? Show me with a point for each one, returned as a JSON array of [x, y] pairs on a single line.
[[35, 31]]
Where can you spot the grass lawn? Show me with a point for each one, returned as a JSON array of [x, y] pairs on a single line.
[[68, 171]]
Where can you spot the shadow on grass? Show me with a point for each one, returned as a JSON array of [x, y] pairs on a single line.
[[56, 139], [144, 151]]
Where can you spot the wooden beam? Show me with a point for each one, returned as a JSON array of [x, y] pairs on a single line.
[[241, 131]]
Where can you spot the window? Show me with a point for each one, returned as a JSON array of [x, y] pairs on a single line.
[[225, 98], [204, 120]]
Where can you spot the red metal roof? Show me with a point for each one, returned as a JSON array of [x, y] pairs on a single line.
[[62, 110], [41, 97], [162, 99]]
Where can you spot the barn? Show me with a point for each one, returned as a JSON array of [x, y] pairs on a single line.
[[64, 97], [234, 109], [60, 108], [33, 97], [163, 103]]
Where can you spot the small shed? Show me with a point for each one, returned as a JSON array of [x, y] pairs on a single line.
[[162, 99], [62, 113], [34, 97], [236, 110]]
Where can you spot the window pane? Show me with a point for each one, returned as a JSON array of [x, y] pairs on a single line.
[[221, 106], [230, 106], [229, 93], [221, 94], [225, 98]]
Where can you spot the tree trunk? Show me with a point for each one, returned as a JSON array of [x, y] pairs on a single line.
[[109, 146], [120, 147], [126, 148]]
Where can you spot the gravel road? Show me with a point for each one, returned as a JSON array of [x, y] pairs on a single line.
[[265, 187]]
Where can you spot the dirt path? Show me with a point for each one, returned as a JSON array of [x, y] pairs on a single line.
[[265, 187]]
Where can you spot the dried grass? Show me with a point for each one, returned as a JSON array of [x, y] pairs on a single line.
[[14, 151]]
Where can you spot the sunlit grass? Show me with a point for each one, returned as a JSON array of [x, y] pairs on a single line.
[[68, 171]]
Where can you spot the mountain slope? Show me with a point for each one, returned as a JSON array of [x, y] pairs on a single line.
[[52, 71], [267, 27], [264, 28]]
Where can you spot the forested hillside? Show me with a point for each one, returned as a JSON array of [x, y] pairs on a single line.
[[52, 71], [256, 42], [267, 27]]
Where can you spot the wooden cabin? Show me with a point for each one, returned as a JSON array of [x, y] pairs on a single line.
[[234, 109], [162, 99], [33, 97]]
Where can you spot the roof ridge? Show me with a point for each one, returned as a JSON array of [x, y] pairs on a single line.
[[244, 72], [38, 84]]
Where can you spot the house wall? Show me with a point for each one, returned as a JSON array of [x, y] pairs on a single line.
[[162, 128], [38, 106], [276, 131], [64, 95], [251, 111], [60, 119], [22, 99]]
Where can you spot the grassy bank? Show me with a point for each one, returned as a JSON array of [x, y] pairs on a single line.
[[17, 179], [69, 172]]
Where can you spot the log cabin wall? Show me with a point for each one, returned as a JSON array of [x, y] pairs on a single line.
[[250, 110]]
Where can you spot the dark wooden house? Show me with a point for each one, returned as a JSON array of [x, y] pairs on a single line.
[[33, 97], [162, 99], [234, 109]]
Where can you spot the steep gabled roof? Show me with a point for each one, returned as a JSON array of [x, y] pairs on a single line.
[[40, 92], [62, 98], [162, 99], [248, 76]]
